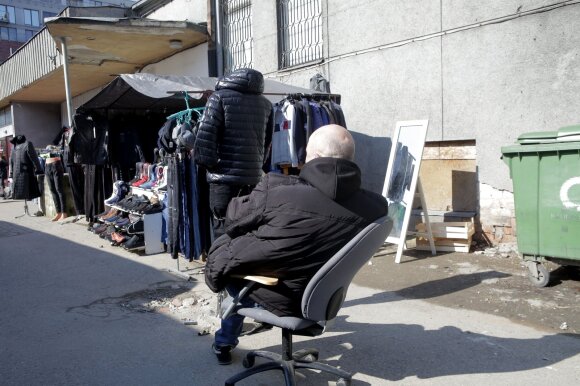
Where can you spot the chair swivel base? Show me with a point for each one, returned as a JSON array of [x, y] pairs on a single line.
[[305, 359]]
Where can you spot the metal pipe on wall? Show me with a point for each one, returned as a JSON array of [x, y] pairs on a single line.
[[69, 107], [218, 30]]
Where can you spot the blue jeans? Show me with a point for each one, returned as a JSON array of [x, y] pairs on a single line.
[[231, 327]]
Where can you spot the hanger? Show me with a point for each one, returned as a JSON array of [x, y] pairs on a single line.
[[185, 115]]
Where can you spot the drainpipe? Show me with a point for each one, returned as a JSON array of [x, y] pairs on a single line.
[[218, 42], [69, 107]]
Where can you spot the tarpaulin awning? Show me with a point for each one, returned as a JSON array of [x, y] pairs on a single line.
[[163, 92]]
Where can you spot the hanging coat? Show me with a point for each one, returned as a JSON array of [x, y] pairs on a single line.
[[24, 165]]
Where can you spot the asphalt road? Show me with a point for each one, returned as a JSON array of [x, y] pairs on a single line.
[[70, 316]]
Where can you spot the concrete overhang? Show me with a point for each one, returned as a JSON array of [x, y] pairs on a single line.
[[99, 48]]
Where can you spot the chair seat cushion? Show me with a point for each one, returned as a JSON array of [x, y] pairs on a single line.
[[298, 326]]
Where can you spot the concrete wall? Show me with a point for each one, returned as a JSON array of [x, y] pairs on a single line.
[[484, 72], [194, 11], [190, 62], [39, 122]]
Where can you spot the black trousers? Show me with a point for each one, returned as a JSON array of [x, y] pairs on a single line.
[[98, 186], [220, 196], [76, 177], [54, 172]]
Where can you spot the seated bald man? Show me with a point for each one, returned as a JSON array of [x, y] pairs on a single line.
[[288, 227]]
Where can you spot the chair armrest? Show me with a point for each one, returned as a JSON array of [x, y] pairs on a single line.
[[265, 280]]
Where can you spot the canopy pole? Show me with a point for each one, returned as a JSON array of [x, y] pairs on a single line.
[[69, 107], [218, 30]]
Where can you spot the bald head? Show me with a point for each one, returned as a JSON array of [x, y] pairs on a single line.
[[330, 141]]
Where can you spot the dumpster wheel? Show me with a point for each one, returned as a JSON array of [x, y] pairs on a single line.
[[538, 274]]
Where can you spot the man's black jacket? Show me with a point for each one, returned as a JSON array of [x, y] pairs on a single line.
[[289, 226]]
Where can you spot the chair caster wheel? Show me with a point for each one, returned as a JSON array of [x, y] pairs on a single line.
[[343, 382], [248, 362]]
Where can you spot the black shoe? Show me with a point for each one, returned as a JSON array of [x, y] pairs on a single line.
[[133, 243], [223, 354]]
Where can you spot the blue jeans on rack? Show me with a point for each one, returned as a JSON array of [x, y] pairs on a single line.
[[231, 327]]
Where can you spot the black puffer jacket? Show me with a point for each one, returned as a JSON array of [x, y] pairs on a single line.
[[230, 138], [289, 226], [24, 165]]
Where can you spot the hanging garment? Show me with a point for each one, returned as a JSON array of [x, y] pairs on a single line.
[[98, 187], [54, 172], [89, 140], [280, 139], [24, 165], [173, 204]]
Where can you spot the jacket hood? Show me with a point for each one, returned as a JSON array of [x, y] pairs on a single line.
[[18, 140], [335, 177], [244, 80]]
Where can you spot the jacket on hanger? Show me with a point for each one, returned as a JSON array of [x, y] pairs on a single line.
[[24, 165]]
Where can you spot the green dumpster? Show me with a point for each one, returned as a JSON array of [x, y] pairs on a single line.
[[545, 170]]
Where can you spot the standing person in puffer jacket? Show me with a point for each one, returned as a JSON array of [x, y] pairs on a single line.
[[230, 140]]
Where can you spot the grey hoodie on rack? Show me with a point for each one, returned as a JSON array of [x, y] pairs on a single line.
[[289, 226]]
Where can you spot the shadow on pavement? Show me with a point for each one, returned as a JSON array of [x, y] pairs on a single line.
[[397, 351], [70, 316], [432, 289]]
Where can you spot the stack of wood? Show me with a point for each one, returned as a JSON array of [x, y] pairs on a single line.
[[448, 236]]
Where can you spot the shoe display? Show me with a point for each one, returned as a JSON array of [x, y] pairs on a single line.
[[135, 242], [100, 228], [152, 177], [137, 177], [136, 227], [112, 213], [121, 222], [120, 190], [223, 354]]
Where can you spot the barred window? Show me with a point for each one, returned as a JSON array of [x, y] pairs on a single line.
[[299, 32], [237, 38]]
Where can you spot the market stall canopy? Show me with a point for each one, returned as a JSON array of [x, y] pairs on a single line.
[[166, 92]]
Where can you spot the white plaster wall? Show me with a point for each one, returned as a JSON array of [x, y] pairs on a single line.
[[507, 79], [189, 62], [194, 11]]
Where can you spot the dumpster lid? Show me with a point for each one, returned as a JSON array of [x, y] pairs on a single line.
[[569, 133], [564, 134], [537, 137]]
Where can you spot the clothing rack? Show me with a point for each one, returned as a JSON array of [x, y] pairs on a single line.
[[314, 95]]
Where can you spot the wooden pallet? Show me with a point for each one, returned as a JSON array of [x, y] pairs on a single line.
[[448, 236]]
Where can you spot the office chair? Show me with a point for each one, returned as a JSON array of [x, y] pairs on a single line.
[[321, 301]]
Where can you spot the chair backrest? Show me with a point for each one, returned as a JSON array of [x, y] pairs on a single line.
[[327, 289]]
